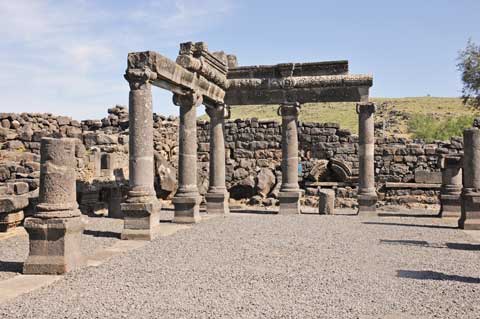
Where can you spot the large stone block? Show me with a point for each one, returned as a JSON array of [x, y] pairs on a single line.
[[289, 203], [187, 209], [54, 245], [326, 201], [140, 219]]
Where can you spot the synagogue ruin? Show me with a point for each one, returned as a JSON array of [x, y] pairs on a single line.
[[126, 164]]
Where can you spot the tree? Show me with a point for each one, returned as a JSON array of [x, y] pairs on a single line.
[[469, 66]]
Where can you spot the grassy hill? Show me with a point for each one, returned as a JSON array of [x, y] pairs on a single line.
[[422, 117]]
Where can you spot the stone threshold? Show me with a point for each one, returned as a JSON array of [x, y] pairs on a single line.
[[21, 284]]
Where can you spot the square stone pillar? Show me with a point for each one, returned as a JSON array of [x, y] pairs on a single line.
[[141, 209], [290, 193], [470, 198], [217, 195], [56, 228], [451, 186], [187, 198], [367, 195]]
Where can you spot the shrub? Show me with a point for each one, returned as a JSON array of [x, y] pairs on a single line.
[[430, 128]]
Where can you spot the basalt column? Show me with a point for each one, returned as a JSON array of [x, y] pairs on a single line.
[[142, 209], [451, 186], [55, 229], [217, 195], [470, 218], [367, 196], [187, 199], [290, 192]]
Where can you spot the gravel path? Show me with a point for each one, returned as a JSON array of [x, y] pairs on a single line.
[[99, 233], [268, 266]]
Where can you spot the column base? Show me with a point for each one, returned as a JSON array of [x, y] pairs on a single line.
[[217, 203], [140, 219], [470, 218], [367, 205], [187, 210], [289, 203], [450, 206], [54, 245]]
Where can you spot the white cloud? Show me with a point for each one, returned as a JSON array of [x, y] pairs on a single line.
[[69, 57]]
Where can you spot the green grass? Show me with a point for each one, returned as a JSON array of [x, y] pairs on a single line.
[[399, 111]]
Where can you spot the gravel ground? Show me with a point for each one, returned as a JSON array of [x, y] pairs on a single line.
[[268, 266], [99, 233]]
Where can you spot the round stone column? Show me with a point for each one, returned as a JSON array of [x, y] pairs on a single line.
[[367, 196], [141, 209], [470, 198], [290, 192], [217, 195], [56, 214], [451, 186], [187, 198]]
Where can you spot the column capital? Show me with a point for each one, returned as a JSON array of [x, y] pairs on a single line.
[[451, 161], [289, 109], [368, 107], [191, 99], [218, 111], [139, 79]]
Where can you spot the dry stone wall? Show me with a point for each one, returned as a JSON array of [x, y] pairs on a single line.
[[328, 157]]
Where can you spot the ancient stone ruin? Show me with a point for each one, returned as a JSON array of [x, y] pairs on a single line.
[[121, 166]]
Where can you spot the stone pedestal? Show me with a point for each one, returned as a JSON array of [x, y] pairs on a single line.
[[367, 196], [217, 195], [56, 227], [187, 198], [451, 190], [289, 196], [470, 198], [326, 201], [142, 209]]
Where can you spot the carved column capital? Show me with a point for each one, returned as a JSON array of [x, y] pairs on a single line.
[[289, 109], [139, 79], [191, 99], [368, 107], [218, 111]]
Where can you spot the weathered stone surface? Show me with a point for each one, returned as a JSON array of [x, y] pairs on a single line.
[[428, 177], [326, 201], [265, 181], [13, 203]]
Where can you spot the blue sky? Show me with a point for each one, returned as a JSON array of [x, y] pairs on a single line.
[[68, 57]]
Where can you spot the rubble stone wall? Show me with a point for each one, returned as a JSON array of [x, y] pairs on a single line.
[[328, 155]]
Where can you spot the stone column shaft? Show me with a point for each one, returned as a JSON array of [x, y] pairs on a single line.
[[451, 186], [57, 214], [217, 195], [367, 196], [290, 193], [187, 198], [141, 209], [470, 217]]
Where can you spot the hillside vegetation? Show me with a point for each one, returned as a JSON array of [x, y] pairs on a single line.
[[419, 117]]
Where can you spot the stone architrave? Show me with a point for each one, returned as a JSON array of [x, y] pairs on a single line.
[[451, 190], [187, 198], [56, 228], [217, 195], [141, 210], [290, 192], [470, 198], [367, 195]]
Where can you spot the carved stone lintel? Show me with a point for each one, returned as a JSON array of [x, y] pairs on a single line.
[[139, 79]]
